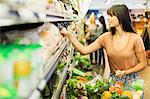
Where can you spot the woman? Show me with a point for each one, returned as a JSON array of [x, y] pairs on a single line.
[[125, 49], [91, 36], [102, 28]]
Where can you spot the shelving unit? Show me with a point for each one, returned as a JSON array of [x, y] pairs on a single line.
[[29, 13], [21, 12], [63, 93], [139, 25], [22, 15], [53, 61], [49, 69], [63, 77]]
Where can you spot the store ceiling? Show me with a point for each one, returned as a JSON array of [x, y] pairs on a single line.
[[132, 4]]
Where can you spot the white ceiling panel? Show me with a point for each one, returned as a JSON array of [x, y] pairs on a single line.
[[132, 4]]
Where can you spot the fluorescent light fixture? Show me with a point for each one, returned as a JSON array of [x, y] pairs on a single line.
[[108, 1], [140, 5]]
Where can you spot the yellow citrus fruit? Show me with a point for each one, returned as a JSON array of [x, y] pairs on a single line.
[[106, 95], [50, 1], [128, 93], [22, 68]]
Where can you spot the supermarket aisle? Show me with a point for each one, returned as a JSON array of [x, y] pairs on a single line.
[[146, 75]]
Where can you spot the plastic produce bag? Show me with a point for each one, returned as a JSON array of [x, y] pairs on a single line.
[[50, 37]]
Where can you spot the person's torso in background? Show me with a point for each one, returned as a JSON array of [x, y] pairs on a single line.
[[93, 31]]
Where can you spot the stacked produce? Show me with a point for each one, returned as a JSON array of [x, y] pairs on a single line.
[[50, 38], [120, 90], [85, 84], [83, 63]]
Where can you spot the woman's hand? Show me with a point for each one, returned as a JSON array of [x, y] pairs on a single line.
[[120, 73], [65, 33]]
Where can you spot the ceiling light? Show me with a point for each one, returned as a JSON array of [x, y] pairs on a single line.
[[108, 1]]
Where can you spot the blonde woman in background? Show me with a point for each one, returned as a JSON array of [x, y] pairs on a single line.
[[91, 35]]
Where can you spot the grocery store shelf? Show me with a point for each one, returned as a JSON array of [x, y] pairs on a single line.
[[63, 77], [48, 12], [10, 22], [23, 14], [49, 69], [60, 85], [7, 22], [57, 20]]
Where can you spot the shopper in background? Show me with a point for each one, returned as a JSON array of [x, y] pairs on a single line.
[[102, 27], [125, 48], [91, 35]]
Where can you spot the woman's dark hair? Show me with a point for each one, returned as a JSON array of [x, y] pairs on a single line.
[[102, 21], [122, 13]]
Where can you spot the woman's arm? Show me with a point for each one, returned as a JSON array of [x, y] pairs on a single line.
[[82, 49], [141, 56]]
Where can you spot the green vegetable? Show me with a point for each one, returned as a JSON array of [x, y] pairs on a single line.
[[72, 91], [83, 61], [138, 84], [61, 65], [72, 83], [78, 72], [90, 89], [97, 87], [72, 97], [99, 84], [116, 96], [107, 84], [124, 97], [89, 77]]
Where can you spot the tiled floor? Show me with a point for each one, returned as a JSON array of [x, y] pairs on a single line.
[[145, 74]]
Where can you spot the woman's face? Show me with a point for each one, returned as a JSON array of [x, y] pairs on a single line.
[[113, 21]]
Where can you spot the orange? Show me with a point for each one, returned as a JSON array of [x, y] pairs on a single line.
[[112, 88], [128, 93]]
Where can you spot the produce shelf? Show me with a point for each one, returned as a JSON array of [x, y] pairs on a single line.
[[63, 77], [49, 69]]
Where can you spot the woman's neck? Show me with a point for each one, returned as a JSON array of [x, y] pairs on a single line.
[[119, 31]]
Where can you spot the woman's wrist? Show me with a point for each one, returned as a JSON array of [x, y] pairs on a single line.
[[71, 37], [127, 72]]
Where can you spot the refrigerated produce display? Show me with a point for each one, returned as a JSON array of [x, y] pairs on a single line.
[[31, 47], [29, 59], [87, 84], [37, 62]]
